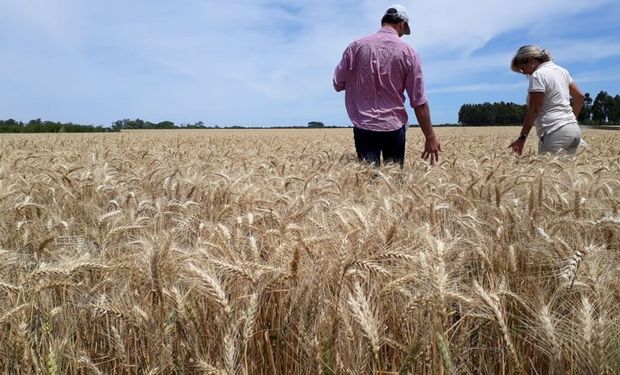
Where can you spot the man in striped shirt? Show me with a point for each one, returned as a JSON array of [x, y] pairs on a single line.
[[374, 73]]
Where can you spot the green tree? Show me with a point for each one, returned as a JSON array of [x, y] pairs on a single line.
[[39, 126], [34, 126], [614, 110], [165, 125], [586, 112], [601, 107], [501, 113], [137, 124], [120, 124], [315, 124], [11, 126]]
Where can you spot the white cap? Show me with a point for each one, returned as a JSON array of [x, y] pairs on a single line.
[[400, 12]]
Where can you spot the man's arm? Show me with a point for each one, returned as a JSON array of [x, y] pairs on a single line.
[[414, 85], [432, 148], [340, 75]]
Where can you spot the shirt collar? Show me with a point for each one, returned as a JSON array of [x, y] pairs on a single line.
[[388, 30], [546, 63]]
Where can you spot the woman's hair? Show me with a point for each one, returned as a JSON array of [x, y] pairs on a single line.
[[529, 52]]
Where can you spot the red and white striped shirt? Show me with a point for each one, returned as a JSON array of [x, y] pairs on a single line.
[[374, 72]]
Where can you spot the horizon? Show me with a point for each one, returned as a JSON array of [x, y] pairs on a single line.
[[88, 63]]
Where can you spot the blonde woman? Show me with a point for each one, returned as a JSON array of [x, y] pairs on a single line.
[[549, 103]]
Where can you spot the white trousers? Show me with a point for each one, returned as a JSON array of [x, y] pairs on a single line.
[[565, 139]]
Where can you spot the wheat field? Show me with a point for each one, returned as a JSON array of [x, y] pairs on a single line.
[[275, 252]]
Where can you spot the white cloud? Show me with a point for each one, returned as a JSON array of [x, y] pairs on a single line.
[[254, 61], [468, 25], [480, 87], [586, 49], [599, 76]]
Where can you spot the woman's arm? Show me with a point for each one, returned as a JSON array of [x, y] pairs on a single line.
[[577, 96], [535, 102]]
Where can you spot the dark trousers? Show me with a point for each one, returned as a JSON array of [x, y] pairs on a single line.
[[370, 144]]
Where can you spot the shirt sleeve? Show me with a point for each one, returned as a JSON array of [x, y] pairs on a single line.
[[414, 82], [536, 83], [342, 70], [569, 78]]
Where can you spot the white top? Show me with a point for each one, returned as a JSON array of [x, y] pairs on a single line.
[[556, 111]]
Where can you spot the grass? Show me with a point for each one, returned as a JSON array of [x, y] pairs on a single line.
[[275, 252]]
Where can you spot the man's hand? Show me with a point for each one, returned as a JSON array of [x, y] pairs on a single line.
[[432, 148], [517, 146]]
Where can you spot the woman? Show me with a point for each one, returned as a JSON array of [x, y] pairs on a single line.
[[549, 103]]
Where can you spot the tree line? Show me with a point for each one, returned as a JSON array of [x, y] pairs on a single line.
[[603, 109], [40, 126], [491, 114], [136, 124]]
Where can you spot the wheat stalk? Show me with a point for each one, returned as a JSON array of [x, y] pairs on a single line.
[[492, 301]]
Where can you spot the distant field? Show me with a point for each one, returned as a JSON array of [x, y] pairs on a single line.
[[275, 252]]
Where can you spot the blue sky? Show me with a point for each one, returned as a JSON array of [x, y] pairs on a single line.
[[269, 62]]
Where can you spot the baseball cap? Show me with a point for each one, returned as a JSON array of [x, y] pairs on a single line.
[[400, 12]]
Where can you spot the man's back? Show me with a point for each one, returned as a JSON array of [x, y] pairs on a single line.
[[374, 72]]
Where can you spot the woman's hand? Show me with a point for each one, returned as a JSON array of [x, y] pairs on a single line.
[[534, 105], [517, 146]]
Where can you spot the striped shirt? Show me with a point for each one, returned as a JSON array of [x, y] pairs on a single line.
[[374, 72]]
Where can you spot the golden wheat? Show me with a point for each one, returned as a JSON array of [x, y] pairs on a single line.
[[276, 252]]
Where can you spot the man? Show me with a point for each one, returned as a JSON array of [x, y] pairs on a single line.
[[374, 72]]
